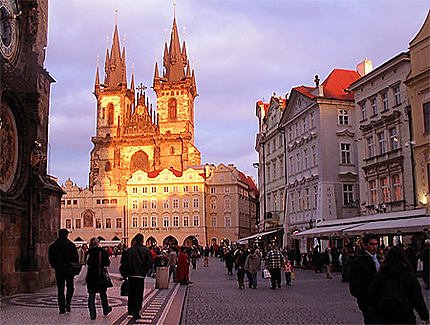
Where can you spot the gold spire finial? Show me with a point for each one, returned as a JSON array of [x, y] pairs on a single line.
[[116, 12], [132, 68], [107, 41], [98, 61], [174, 9]]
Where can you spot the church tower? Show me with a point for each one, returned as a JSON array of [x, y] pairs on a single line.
[[176, 91]]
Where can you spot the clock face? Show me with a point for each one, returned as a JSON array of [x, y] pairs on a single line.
[[8, 147], [8, 29]]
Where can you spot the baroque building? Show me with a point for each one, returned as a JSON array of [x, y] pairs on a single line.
[[29, 197], [145, 171]]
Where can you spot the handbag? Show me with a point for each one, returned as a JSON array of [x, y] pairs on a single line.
[[124, 288], [266, 274], [104, 278]]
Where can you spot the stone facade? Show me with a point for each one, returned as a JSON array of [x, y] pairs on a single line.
[[270, 146], [145, 171], [418, 83], [321, 153], [385, 164], [29, 198]]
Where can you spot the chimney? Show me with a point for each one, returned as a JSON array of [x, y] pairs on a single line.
[[364, 67]]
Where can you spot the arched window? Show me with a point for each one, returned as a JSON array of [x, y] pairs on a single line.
[[110, 113], [172, 108]]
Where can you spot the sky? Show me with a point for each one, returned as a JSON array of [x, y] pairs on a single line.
[[242, 52]]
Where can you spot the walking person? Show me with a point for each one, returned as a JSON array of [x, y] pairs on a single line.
[[172, 260], [229, 261], [240, 267], [135, 265], [274, 261], [396, 292], [425, 258], [328, 261], [363, 271], [288, 269], [206, 257], [97, 258], [183, 269], [253, 265], [61, 254]]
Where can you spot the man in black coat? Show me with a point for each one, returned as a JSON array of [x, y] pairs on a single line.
[[135, 264], [363, 271], [61, 253]]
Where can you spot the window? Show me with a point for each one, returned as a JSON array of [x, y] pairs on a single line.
[[291, 163], [186, 221], [227, 203], [134, 204], [227, 221], [185, 188], [69, 202], [296, 129], [343, 117], [385, 101], [374, 106], [275, 202], [213, 190], [172, 108], [213, 204], [307, 203], [298, 161], [175, 221], [305, 124], [185, 203], [292, 203], [345, 150], [306, 159], [134, 222], [154, 221], [426, 114], [98, 201], [62, 202], [274, 170], [314, 156], [348, 197], [78, 223], [385, 189], [397, 188], [382, 143], [145, 204], [195, 188], [299, 200], [290, 133], [396, 91], [98, 223], [268, 172], [105, 201], [175, 189], [153, 204], [394, 140], [145, 190], [108, 223], [166, 189], [75, 202], [118, 222], [134, 190], [113, 201], [165, 203], [370, 146], [154, 189], [312, 120], [195, 221], [69, 223], [166, 221], [145, 222], [315, 196], [213, 221], [175, 203], [363, 110], [195, 203], [373, 192], [226, 189]]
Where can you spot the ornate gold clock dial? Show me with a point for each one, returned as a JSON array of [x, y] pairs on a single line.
[[8, 29]]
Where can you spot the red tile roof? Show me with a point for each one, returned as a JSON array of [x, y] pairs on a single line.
[[248, 180], [305, 91], [337, 82]]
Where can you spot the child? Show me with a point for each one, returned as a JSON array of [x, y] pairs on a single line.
[[288, 268]]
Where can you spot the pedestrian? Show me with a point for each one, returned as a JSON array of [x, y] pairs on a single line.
[[363, 271], [135, 265], [274, 263], [425, 258], [229, 261], [328, 261], [183, 269], [194, 255], [97, 258], [288, 269], [317, 259], [253, 265], [63, 257], [396, 292], [240, 268], [206, 257], [172, 260]]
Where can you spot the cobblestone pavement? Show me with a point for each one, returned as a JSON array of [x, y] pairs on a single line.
[[214, 298]]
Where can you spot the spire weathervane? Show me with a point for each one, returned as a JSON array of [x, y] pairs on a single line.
[[174, 9], [116, 12]]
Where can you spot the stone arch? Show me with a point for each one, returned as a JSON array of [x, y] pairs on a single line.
[[110, 113], [170, 241], [151, 241], [78, 239], [173, 108], [191, 240], [101, 238], [115, 238], [88, 216], [139, 161]]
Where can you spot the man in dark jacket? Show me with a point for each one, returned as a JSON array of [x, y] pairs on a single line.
[[363, 271], [135, 264], [61, 253]]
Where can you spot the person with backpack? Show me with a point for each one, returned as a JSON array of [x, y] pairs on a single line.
[[396, 292]]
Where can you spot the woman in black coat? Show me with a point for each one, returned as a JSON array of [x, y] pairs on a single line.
[[396, 292], [97, 259]]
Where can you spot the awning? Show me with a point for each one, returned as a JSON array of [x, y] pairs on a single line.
[[325, 231], [392, 226], [261, 234]]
